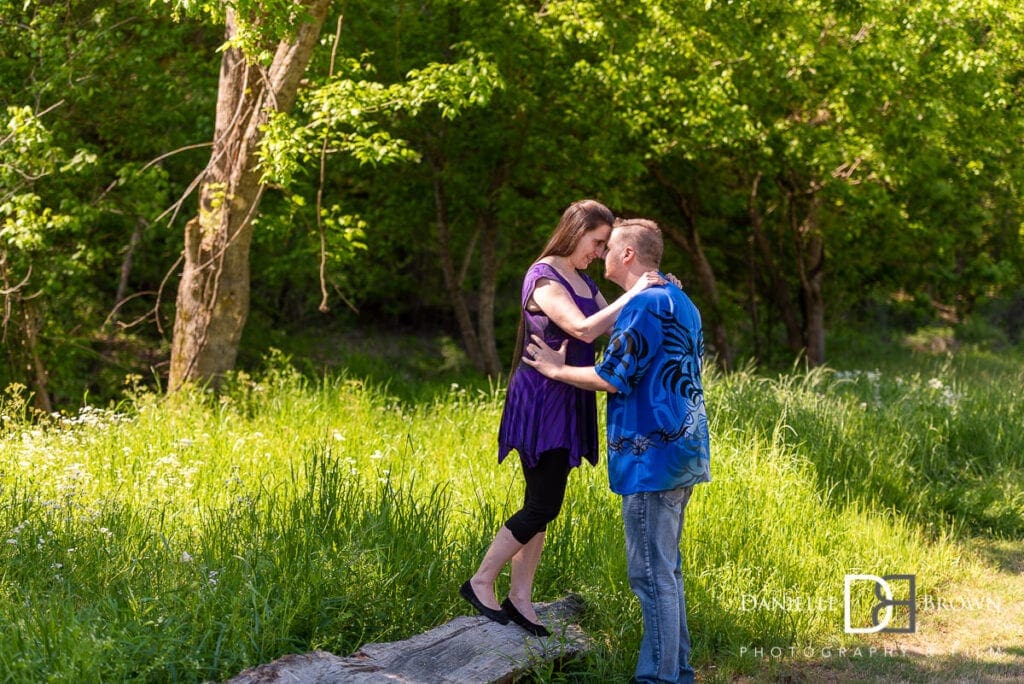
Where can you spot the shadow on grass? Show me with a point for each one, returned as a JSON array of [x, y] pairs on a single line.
[[1006, 555]]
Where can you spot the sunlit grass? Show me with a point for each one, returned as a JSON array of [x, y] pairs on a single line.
[[186, 538]]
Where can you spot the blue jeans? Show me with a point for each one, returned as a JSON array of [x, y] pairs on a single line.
[[654, 526]]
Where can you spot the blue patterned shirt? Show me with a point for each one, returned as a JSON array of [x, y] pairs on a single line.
[[657, 423]]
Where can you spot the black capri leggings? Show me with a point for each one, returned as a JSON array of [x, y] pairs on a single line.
[[545, 491]]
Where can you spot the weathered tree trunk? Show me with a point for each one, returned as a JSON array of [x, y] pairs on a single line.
[[451, 279], [466, 649], [213, 295], [126, 265], [778, 291], [814, 302], [36, 368], [15, 307], [810, 260], [488, 283]]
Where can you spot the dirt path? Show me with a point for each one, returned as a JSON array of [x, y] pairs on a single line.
[[973, 633]]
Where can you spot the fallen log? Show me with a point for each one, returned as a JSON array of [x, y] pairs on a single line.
[[466, 649]]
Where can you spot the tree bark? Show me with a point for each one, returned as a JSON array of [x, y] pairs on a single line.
[[213, 295], [488, 283], [810, 260], [489, 228], [689, 240], [126, 265], [15, 307], [35, 367], [465, 649], [778, 291], [752, 306], [814, 299], [479, 341], [470, 340]]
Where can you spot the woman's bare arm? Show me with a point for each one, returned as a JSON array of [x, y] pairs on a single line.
[[557, 304]]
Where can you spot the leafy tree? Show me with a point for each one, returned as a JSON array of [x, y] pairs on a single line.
[[813, 161], [257, 141], [27, 156], [771, 129], [493, 181], [85, 144]]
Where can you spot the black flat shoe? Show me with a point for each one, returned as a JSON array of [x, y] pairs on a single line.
[[520, 619], [499, 616]]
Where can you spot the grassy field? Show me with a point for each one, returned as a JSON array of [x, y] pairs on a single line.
[[190, 537]]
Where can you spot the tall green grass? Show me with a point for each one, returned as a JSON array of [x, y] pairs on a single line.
[[186, 538], [939, 441]]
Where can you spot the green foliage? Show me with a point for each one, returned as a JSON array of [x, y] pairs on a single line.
[[901, 121], [873, 109], [82, 184], [348, 113], [27, 155], [259, 24], [31, 233]]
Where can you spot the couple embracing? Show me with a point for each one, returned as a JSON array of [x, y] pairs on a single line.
[[657, 432]]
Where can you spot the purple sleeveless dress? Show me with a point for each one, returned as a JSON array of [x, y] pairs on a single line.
[[542, 414]]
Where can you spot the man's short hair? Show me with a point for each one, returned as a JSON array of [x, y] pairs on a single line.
[[644, 236]]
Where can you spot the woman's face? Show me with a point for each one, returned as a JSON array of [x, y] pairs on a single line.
[[591, 246]]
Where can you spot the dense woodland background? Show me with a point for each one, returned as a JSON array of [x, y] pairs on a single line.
[[820, 168]]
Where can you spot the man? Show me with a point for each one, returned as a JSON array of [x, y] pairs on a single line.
[[658, 446]]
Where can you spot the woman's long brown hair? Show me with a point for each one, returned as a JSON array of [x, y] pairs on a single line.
[[579, 218]]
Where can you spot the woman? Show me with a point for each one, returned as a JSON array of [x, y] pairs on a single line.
[[552, 425]]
